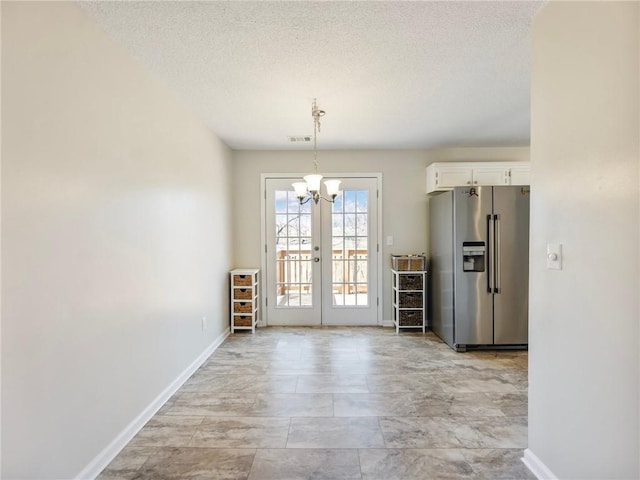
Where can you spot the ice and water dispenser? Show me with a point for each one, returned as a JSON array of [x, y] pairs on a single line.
[[473, 256]]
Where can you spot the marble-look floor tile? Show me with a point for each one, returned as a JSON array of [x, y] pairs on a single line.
[[518, 378], [511, 404], [294, 368], [241, 432], [499, 432], [214, 404], [361, 368], [498, 464], [230, 369], [475, 405], [391, 404], [293, 405], [298, 464], [110, 475], [427, 432], [166, 431], [411, 464], [492, 384], [359, 432], [127, 463], [454, 432], [331, 355], [208, 381], [332, 384], [198, 464], [403, 383]]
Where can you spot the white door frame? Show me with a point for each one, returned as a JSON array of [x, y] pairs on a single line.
[[264, 321]]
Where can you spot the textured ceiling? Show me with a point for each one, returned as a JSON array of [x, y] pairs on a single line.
[[389, 74]]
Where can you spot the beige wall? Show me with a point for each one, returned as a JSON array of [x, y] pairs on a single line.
[[404, 199], [584, 366], [403, 190], [479, 154], [115, 240]]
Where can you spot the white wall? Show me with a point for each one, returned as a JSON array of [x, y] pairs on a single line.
[[404, 207], [115, 239], [584, 365]]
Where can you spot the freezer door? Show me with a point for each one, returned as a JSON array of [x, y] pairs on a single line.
[[441, 265], [511, 301], [473, 301]]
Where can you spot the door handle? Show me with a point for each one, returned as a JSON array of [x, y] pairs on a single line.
[[490, 252], [498, 268]]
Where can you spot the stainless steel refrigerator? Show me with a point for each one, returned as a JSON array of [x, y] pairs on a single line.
[[479, 266]]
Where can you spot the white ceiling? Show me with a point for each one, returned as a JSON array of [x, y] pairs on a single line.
[[389, 74]]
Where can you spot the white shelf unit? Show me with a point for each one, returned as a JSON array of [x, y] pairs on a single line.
[[245, 301], [409, 299]]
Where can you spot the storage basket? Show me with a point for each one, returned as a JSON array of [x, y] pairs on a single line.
[[410, 318], [242, 280], [404, 263], [242, 307], [242, 320], [242, 293], [410, 282], [410, 299]]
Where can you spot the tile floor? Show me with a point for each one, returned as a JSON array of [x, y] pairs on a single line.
[[338, 403]]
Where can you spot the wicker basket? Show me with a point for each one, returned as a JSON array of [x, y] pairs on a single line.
[[410, 299], [242, 293], [410, 282], [410, 318], [242, 320], [242, 307], [404, 263], [242, 280]]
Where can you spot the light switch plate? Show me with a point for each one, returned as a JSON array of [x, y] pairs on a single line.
[[554, 256]]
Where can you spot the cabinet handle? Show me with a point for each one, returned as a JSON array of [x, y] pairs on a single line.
[[468, 182]]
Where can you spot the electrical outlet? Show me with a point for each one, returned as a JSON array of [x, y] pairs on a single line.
[[204, 323]]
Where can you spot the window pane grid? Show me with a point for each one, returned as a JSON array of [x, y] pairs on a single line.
[[350, 253], [293, 251]]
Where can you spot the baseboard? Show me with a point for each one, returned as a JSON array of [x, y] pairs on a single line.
[[535, 465], [93, 469], [388, 323]]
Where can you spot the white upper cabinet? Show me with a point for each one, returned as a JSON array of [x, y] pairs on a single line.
[[498, 175], [520, 174], [452, 176], [447, 175]]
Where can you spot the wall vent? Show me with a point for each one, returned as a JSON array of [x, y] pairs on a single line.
[[301, 138]]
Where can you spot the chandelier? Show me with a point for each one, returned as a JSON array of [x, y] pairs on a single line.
[[310, 188]]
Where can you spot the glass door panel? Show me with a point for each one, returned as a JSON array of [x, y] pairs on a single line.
[[351, 275], [292, 274]]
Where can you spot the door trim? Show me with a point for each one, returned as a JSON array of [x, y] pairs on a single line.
[[264, 321]]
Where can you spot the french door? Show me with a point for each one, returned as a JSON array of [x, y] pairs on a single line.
[[321, 261]]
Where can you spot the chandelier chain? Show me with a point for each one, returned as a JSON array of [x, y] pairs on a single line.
[[316, 113]]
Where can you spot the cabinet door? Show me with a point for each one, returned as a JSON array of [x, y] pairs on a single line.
[[449, 177], [520, 175], [491, 176]]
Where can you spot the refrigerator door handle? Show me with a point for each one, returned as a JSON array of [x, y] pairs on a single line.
[[490, 252], [498, 267]]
